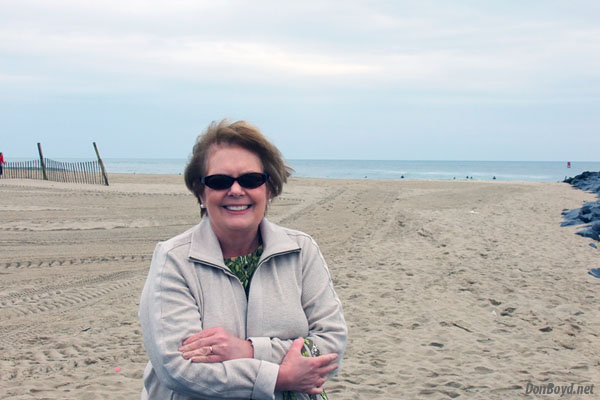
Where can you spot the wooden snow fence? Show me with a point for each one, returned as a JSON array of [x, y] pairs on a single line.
[[89, 172]]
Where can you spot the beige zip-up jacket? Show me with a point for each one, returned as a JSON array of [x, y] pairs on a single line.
[[189, 288]]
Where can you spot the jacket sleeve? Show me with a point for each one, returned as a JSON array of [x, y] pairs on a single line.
[[270, 349], [322, 307], [168, 314]]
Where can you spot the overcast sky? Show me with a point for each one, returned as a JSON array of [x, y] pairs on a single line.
[[405, 80]]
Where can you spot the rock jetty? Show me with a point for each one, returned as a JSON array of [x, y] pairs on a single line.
[[589, 214]]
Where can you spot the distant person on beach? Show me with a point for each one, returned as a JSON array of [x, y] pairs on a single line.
[[239, 307], [2, 162]]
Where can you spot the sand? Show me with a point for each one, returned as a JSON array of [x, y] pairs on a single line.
[[450, 289]]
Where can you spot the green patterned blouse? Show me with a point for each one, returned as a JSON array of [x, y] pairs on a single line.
[[243, 267]]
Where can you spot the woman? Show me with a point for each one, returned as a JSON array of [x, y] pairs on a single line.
[[229, 305]]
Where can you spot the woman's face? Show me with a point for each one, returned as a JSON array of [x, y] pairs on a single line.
[[235, 210]]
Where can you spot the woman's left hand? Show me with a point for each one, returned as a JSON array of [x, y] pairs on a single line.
[[215, 345]]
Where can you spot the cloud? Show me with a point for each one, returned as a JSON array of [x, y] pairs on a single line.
[[139, 45]]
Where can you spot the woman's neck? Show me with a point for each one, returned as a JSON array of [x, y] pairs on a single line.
[[233, 246]]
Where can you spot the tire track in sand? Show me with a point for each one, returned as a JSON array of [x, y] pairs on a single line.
[[59, 262], [64, 295]]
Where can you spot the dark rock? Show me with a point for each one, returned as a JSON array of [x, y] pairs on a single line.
[[589, 233], [587, 180], [571, 218], [589, 214]]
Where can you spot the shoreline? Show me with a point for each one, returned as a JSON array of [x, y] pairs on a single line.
[[470, 290], [144, 178], [365, 178]]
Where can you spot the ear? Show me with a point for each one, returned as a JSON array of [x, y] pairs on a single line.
[[269, 194]]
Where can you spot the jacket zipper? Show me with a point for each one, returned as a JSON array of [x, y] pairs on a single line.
[[264, 261]]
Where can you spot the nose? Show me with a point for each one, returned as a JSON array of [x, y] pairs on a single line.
[[236, 189]]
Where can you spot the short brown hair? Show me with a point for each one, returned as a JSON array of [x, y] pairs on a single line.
[[240, 134]]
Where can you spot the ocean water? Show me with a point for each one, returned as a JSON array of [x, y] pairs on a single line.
[[541, 171]]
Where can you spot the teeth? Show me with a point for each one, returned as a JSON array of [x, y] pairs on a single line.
[[237, 208]]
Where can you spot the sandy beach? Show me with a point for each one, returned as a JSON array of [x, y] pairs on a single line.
[[450, 289]]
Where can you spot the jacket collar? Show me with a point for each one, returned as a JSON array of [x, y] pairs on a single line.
[[205, 246]]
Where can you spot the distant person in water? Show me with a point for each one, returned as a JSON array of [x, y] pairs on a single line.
[[2, 162]]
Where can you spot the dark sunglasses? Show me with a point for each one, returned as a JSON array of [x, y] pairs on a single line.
[[250, 180]]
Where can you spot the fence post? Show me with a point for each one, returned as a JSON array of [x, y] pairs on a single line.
[[42, 161], [101, 164]]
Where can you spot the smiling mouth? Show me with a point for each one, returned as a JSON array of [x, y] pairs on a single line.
[[237, 208]]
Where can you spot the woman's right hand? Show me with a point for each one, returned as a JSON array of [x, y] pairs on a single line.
[[304, 374]]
